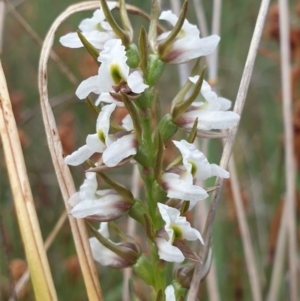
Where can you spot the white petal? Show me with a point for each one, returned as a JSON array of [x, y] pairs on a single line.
[[112, 55], [218, 171], [127, 123], [168, 252], [190, 48], [119, 150], [95, 144], [168, 213], [180, 189], [108, 207], [74, 199], [87, 86], [194, 79], [188, 232], [224, 103], [79, 156], [170, 293], [101, 254], [103, 119], [97, 38], [88, 188], [135, 82], [71, 40], [191, 155], [208, 120]]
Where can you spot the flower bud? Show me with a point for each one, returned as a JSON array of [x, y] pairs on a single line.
[[108, 253], [184, 275], [155, 69], [166, 127], [133, 56]]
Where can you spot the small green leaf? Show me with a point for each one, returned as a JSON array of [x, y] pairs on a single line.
[[112, 22], [133, 56], [92, 106], [137, 212], [145, 269], [134, 116], [182, 107], [143, 46], [149, 227], [185, 207], [166, 127], [160, 296], [159, 157], [124, 19], [174, 32], [88, 46], [158, 193], [120, 189], [155, 69], [193, 134]]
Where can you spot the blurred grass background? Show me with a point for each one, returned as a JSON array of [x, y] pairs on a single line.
[[258, 151]]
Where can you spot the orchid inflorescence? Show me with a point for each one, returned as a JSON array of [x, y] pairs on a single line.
[[127, 77]]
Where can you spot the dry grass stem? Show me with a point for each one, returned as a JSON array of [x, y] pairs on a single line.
[[202, 23], [62, 171], [2, 14], [48, 242], [211, 279], [238, 108], [215, 29], [24, 205], [254, 276], [288, 221]]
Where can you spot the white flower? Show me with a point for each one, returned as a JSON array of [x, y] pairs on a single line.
[[95, 143], [112, 72], [176, 227], [115, 148], [100, 253], [170, 293], [100, 205], [196, 163], [187, 44], [182, 188], [95, 30], [211, 111]]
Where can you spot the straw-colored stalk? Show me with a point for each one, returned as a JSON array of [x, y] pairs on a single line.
[[30, 230], [288, 220], [26, 276], [245, 234], [238, 108]]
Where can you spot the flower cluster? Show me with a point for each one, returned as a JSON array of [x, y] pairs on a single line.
[[126, 77]]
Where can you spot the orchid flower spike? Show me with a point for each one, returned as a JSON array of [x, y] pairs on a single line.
[[96, 30], [187, 45]]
